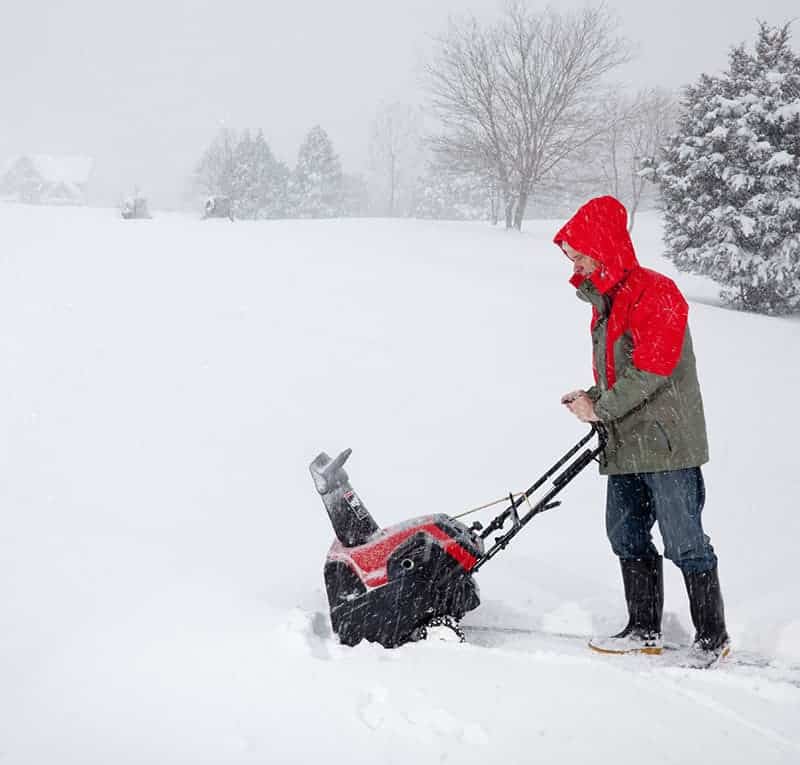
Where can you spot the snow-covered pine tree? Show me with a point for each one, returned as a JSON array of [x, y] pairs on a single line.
[[730, 177], [258, 181], [214, 174], [244, 191], [315, 188], [271, 178]]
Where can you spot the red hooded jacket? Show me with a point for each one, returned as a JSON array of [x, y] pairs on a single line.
[[644, 303]]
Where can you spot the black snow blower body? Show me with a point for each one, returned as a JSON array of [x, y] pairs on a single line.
[[390, 585]]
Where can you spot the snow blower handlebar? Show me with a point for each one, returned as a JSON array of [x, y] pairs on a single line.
[[545, 503]]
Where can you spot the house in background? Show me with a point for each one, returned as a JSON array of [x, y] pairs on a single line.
[[46, 180]]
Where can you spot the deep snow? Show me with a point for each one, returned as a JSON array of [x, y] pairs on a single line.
[[165, 385]]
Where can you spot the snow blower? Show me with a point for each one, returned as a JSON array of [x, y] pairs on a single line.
[[392, 585]]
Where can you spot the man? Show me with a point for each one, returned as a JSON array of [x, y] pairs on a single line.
[[647, 395]]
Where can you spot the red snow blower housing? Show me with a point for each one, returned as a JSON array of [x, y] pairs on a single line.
[[389, 585]]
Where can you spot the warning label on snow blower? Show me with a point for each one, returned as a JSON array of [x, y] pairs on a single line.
[[354, 503]]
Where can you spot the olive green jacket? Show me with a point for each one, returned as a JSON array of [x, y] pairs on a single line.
[[654, 422]]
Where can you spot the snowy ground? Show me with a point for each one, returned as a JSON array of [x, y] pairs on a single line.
[[165, 385]]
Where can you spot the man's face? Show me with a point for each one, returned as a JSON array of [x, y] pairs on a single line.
[[582, 264]]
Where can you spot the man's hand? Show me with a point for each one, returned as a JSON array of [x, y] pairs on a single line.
[[580, 405]]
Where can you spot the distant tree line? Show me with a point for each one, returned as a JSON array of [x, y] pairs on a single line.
[[242, 168], [523, 120]]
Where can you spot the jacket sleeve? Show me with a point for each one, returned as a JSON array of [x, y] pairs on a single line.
[[633, 388], [658, 326]]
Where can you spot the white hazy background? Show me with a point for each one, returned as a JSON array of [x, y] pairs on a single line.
[[143, 87]]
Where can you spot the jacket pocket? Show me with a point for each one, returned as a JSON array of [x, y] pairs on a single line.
[[663, 432]]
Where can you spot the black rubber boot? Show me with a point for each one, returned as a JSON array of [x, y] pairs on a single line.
[[708, 613], [644, 594]]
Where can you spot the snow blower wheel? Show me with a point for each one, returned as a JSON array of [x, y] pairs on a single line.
[[444, 628]]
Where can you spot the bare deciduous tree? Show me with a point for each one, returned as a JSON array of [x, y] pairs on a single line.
[[637, 126], [395, 157], [517, 99]]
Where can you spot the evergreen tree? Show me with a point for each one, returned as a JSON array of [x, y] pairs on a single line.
[[215, 172], [22, 181], [244, 191], [245, 172], [315, 188], [260, 188], [271, 178], [730, 177]]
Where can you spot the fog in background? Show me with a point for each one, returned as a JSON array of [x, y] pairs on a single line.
[[143, 87]]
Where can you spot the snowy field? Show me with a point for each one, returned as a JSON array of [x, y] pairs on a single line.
[[165, 384]]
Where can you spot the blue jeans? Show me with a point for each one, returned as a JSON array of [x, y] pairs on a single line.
[[675, 499]]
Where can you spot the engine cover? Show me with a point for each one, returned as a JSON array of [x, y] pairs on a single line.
[[384, 589]]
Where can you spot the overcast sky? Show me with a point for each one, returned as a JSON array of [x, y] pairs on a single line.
[[143, 86]]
